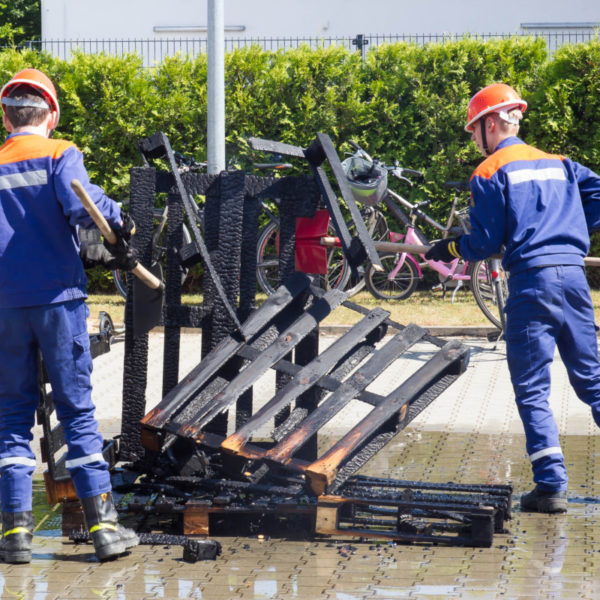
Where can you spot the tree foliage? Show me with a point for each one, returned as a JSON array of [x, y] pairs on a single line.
[[20, 21], [405, 102]]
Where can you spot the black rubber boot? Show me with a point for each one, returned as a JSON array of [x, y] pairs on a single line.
[[110, 539], [544, 502], [17, 533]]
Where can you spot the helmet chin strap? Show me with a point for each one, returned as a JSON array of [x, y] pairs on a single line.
[[484, 143]]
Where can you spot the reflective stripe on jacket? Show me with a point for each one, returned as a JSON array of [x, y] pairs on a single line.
[[538, 205], [39, 217]]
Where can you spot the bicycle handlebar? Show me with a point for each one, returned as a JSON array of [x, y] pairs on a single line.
[[187, 162], [358, 151], [402, 172]]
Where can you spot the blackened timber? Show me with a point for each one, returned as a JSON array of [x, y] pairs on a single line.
[[436, 341], [338, 171], [327, 382], [228, 348], [275, 352], [276, 147], [368, 483], [350, 251], [191, 210], [378, 362], [215, 440], [323, 471], [474, 527], [135, 364], [305, 378], [275, 303]]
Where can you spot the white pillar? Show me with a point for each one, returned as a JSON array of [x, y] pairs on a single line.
[[216, 87]]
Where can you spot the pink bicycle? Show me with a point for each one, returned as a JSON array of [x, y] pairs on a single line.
[[402, 271]]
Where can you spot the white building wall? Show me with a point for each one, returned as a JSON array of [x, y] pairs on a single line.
[[131, 19]]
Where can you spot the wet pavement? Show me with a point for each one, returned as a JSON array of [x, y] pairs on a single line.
[[471, 434]]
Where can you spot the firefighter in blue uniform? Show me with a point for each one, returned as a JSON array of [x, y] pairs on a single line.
[[42, 309], [539, 207]]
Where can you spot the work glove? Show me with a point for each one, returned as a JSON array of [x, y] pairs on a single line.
[[445, 250], [124, 255], [94, 254], [127, 229]]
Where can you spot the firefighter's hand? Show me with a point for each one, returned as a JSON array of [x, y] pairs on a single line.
[[125, 257], [94, 254], [444, 250], [127, 228]]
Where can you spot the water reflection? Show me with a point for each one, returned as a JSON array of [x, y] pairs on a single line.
[[540, 557]]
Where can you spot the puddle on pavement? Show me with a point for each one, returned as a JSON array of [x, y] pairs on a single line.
[[539, 556]]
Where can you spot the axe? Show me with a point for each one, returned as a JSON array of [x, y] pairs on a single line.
[[147, 305]]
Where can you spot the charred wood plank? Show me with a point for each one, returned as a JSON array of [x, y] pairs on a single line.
[[327, 382], [378, 362], [323, 471], [227, 349], [282, 346], [338, 171], [276, 147], [355, 255], [191, 212], [305, 378], [474, 524]]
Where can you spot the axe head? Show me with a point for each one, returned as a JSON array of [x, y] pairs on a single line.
[[147, 303]]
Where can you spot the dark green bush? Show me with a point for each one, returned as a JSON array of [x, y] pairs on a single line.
[[404, 102]]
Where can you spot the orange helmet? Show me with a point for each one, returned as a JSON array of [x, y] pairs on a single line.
[[37, 80], [492, 98]]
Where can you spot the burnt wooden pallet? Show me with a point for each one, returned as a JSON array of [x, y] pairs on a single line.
[[365, 507], [271, 334]]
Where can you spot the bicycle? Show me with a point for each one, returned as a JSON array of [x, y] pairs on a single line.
[[267, 250], [339, 274], [402, 271]]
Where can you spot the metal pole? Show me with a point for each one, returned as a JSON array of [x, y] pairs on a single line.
[[216, 87]]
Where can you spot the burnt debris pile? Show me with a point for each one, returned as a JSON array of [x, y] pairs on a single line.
[[214, 448]]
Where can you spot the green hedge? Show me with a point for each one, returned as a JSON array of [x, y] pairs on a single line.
[[404, 102]]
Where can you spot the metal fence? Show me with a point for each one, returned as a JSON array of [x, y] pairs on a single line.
[[155, 50]]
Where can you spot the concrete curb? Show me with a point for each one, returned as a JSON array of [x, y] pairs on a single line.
[[439, 331]]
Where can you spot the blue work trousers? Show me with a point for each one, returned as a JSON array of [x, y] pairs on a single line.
[[59, 331], [550, 307]]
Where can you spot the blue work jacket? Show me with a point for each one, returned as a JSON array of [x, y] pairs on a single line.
[[39, 218], [539, 206]]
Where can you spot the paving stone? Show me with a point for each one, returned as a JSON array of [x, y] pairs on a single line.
[[471, 434]]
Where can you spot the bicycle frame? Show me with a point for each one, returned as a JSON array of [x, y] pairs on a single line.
[[447, 270]]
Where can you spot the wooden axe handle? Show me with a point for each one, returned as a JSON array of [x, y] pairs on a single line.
[[139, 271]]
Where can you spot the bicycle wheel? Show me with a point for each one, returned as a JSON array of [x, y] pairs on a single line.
[[378, 230], [267, 262], [267, 258], [490, 289], [159, 252], [400, 287]]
